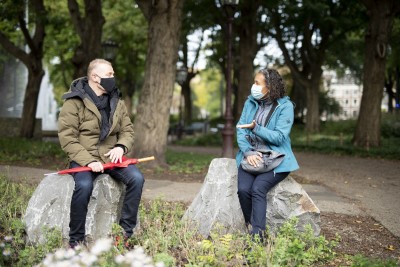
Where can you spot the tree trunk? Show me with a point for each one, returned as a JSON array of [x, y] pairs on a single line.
[[381, 15], [248, 48], [89, 30], [187, 96], [32, 60], [152, 119], [312, 116], [30, 101]]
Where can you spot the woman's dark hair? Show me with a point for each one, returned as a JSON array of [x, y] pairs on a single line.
[[274, 83]]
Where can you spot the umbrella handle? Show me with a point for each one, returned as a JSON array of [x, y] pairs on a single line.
[[146, 159]]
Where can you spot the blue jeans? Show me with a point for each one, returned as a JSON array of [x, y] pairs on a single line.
[[252, 192], [130, 176]]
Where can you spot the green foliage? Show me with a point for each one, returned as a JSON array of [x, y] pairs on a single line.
[[362, 261], [391, 126], [29, 151], [294, 248], [166, 238], [188, 162], [207, 91], [59, 47], [14, 252], [212, 139], [335, 137]]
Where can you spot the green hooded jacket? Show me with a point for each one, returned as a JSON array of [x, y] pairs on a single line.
[[79, 126]]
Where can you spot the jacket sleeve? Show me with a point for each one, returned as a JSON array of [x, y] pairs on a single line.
[[282, 127], [242, 141], [68, 133], [126, 134]]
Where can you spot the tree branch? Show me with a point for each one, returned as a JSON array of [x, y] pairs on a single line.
[[76, 17], [40, 33], [13, 49], [145, 6]]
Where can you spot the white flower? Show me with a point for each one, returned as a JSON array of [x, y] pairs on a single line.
[[6, 252], [60, 254], [2, 245], [87, 258], [101, 245], [69, 253], [119, 259], [8, 238]]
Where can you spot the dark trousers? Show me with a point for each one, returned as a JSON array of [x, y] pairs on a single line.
[[130, 176], [252, 192]]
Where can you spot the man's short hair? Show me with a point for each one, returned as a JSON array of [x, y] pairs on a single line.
[[94, 64]]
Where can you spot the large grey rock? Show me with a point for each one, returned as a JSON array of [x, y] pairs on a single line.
[[217, 203], [49, 207], [288, 199]]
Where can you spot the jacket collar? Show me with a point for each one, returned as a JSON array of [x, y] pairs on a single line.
[[280, 100]]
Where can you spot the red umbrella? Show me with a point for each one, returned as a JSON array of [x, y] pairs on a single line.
[[125, 162]]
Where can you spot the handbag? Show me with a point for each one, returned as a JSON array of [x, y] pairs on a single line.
[[271, 159]]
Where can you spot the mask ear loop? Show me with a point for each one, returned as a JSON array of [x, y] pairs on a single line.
[[97, 76]]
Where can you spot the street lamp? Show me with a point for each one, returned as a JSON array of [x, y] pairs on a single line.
[[181, 75], [109, 49], [228, 131]]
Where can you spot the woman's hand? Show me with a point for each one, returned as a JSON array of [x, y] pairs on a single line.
[[115, 154], [247, 126], [255, 160]]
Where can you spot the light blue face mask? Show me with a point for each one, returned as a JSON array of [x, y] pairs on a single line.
[[256, 91]]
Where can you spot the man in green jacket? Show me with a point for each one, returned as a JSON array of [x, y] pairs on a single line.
[[94, 128]]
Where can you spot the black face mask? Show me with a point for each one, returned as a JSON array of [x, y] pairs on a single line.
[[108, 84]]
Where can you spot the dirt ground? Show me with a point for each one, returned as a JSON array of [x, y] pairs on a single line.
[[359, 234]]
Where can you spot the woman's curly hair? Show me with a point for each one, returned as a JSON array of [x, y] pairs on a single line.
[[274, 82]]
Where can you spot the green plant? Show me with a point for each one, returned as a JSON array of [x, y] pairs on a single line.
[[362, 261], [30, 152], [294, 248], [214, 139], [185, 162]]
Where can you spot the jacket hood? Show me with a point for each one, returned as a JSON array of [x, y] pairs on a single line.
[[76, 88]]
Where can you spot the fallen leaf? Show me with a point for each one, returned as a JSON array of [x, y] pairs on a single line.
[[390, 247]]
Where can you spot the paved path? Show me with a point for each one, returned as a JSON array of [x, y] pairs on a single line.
[[347, 185]]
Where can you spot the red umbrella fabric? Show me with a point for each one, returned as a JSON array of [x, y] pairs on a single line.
[[125, 162]]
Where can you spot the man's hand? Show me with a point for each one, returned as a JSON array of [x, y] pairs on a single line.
[[96, 166], [248, 126], [115, 154], [255, 160]]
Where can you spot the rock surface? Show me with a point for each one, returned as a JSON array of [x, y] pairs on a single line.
[[217, 203], [49, 207]]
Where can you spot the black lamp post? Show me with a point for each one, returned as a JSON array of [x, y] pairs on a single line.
[[228, 131], [109, 49], [181, 75]]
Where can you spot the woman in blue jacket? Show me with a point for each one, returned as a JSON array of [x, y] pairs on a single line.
[[267, 95]]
